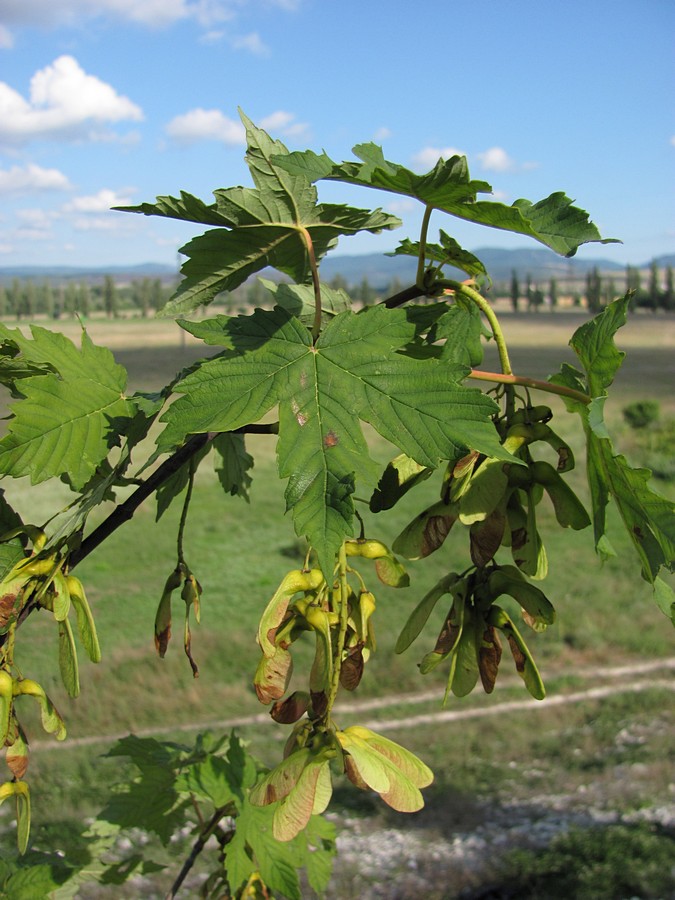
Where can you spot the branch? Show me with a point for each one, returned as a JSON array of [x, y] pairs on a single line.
[[409, 293], [524, 381], [197, 848], [125, 511]]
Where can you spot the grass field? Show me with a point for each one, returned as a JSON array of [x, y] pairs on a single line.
[[608, 754]]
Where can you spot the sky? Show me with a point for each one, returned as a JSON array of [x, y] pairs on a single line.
[[112, 102]]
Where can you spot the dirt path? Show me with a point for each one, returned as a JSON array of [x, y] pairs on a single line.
[[621, 678]]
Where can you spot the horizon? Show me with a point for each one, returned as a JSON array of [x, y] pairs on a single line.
[[545, 107]]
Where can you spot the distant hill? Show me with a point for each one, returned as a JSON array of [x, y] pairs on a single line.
[[88, 273], [540, 264]]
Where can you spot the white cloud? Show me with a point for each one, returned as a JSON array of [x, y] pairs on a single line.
[[65, 102], [672, 141], [429, 156], [277, 121], [213, 125], [206, 125], [103, 201], [148, 13], [496, 159], [401, 207], [154, 13], [382, 134], [116, 223], [282, 122], [251, 42], [32, 179], [6, 38]]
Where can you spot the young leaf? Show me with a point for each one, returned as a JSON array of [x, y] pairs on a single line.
[[268, 225], [447, 253]]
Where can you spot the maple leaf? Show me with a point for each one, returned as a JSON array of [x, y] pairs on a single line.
[[353, 373]]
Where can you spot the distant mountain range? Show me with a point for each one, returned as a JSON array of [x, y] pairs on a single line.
[[379, 269]]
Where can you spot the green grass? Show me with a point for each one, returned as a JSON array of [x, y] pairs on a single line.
[[595, 864]]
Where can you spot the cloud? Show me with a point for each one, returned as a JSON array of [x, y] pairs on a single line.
[[6, 38], [206, 125], [213, 125], [282, 122], [672, 141], [102, 201], [496, 159], [251, 42], [153, 13], [382, 134], [148, 13], [427, 157], [65, 103], [32, 179], [34, 224]]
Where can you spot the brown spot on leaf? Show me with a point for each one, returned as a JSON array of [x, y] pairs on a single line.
[[486, 537], [489, 657], [319, 703], [448, 635], [563, 459], [518, 654], [330, 440], [272, 676], [270, 795], [7, 607], [351, 670], [637, 531], [518, 538], [18, 764], [162, 639], [435, 532], [291, 709]]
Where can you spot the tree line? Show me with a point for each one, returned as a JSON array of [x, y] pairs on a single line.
[[598, 290], [27, 298]]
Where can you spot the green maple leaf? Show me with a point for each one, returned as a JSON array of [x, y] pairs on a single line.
[[648, 517], [275, 224], [553, 221], [69, 417], [323, 390], [253, 848]]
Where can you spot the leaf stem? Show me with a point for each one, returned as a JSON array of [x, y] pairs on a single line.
[[184, 514], [316, 327], [419, 280], [524, 381], [342, 633]]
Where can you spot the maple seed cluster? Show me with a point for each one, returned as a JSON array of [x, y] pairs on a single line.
[[339, 614], [497, 500], [39, 578]]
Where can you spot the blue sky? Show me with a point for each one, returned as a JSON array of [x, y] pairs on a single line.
[[108, 102]]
